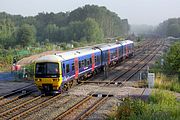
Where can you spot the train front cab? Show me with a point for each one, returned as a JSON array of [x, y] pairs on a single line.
[[48, 76]]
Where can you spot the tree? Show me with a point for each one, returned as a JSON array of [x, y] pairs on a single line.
[[173, 30], [7, 30], [108, 21], [26, 35], [51, 32], [172, 59], [92, 31], [170, 27]]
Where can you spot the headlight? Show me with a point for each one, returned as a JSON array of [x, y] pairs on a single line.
[[38, 80]]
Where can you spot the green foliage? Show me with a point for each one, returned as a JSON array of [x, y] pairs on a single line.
[[167, 82], [26, 35], [51, 32], [171, 64], [7, 31], [130, 108], [6, 57], [92, 31], [110, 23], [88, 30], [162, 97], [30, 70], [161, 105], [172, 58]]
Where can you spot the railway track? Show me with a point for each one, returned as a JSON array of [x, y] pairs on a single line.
[[14, 110], [82, 109], [25, 108], [138, 51], [137, 67], [19, 90], [15, 99]]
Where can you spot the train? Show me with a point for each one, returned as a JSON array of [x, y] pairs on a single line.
[[56, 73]]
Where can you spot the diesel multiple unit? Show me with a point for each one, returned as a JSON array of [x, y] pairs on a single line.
[[54, 73]]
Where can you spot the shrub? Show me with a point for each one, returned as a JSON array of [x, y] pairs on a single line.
[[161, 105], [167, 82]]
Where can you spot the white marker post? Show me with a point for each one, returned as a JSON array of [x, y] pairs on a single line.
[[151, 77]]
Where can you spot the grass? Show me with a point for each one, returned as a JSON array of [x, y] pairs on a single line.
[[167, 82], [161, 105]]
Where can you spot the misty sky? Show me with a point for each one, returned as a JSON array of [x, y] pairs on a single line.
[[150, 12]]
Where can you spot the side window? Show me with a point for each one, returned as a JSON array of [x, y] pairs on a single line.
[[105, 56], [73, 67], [115, 55], [111, 54], [67, 68], [85, 62], [119, 51], [82, 63], [90, 60], [98, 58], [79, 64]]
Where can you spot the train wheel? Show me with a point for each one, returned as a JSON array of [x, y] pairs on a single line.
[[78, 81], [70, 84], [65, 88]]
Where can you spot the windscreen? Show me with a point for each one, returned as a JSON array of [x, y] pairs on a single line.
[[47, 70]]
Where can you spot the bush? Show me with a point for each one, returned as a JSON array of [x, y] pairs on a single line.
[[162, 97], [167, 82], [161, 105], [30, 70]]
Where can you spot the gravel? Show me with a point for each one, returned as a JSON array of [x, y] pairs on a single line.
[[55, 108]]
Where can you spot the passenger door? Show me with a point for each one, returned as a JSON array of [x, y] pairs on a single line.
[[76, 65], [93, 61]]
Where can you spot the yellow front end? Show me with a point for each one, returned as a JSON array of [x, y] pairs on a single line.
[[54, 82]]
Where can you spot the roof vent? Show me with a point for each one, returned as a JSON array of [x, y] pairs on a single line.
[[78, 52]]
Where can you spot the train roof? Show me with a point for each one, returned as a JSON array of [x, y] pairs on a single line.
[[76, 53], [81, 52], [129, 41], [48, 58], [67, 55], [108, 46]]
